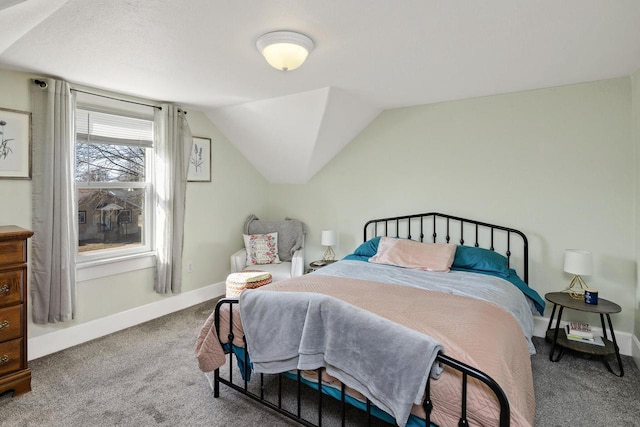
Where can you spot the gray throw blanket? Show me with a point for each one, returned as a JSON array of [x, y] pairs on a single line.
[[387, 362], [290, 234]]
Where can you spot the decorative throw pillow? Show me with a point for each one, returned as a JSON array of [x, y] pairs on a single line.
[[480, 259], [411, 254], [368, 248], [261, 248]]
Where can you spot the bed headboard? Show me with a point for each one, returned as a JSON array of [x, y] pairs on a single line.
[[437, 227]]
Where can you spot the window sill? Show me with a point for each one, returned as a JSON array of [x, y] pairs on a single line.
[[108, 267]]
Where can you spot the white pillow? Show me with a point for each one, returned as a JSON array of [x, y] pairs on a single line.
[[261, 248]]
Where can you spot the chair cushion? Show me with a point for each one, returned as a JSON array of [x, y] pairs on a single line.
[[278, 271]]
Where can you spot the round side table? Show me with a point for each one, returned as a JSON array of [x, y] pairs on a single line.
[[558, 337], [316, 265]]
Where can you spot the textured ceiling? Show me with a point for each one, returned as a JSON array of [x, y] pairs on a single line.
[[369, 55]]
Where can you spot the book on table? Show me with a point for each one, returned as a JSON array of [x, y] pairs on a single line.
[[595, 340], [580, 329]]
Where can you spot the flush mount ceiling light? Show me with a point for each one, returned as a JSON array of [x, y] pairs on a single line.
[[284, 50]]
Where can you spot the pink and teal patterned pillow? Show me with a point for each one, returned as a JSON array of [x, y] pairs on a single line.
[[261, 248]]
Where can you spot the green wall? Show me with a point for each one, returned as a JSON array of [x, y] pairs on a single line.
[[635, 82], [557, 163], [215, 214]]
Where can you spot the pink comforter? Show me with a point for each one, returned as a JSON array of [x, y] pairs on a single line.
[[475, 332]]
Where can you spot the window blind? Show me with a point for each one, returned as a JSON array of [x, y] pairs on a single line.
[[98, 127]]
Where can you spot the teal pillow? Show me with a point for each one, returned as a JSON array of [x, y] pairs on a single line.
[[368, 248], [479, 259]]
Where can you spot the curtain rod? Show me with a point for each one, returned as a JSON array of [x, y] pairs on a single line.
[[44, 84], [117, 99]]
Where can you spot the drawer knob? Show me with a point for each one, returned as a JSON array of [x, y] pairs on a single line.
[[4, 289], [4, 324], [4, 359]]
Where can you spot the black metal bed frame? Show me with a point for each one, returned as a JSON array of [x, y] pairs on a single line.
[[427, 222], [434, 221]]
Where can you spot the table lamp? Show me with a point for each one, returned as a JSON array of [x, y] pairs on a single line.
[[579, 263], [329, 238]]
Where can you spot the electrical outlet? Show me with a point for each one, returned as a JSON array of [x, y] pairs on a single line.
[[190, 267]]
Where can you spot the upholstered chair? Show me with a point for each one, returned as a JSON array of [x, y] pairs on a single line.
[[290, 248]]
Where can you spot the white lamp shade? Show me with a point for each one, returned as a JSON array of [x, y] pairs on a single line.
[[284, 50], [578, 262], [329, 238]]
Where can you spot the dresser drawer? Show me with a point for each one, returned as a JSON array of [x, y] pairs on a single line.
[[10, 356], [11, 287], [12, 251], [10, 322]]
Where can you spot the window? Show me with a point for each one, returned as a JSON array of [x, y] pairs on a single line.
[[114, 182]]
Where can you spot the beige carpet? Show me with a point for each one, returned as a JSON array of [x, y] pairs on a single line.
[[147, 375]]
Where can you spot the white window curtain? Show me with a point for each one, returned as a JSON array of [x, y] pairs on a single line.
[[53, 287], [173, 146]]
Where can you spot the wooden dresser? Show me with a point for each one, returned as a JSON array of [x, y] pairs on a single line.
[[14, 373]]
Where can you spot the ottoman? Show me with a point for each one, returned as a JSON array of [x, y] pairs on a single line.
[[248, 279]]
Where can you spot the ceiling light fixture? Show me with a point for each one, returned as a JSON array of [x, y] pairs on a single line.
[[284, 50]]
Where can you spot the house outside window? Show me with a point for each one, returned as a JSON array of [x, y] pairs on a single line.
[[114, 183]]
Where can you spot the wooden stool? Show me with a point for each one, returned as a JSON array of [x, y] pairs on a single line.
[[248, 279]]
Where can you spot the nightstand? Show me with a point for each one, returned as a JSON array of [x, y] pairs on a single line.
[[558, 337], [315, 265]]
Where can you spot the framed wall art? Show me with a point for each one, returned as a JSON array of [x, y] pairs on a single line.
[[200, 160], [15, 144]]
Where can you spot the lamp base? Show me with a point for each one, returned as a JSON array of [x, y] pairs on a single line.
[[576, 287], [329, 255]]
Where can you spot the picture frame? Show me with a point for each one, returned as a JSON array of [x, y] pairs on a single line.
[[15, 144], [82, 217], [200, 160]]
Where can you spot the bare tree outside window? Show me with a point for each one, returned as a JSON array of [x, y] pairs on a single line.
[[111, 180]]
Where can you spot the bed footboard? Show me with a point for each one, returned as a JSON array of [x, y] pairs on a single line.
[[276, 404]]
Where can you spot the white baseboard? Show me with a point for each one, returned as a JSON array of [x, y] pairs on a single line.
[[636, 350], [624, 339], [64, 338]]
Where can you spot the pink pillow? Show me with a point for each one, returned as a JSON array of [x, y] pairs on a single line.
[[415, 255]]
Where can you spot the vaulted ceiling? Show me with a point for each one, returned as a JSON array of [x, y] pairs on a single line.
[[370, 55]]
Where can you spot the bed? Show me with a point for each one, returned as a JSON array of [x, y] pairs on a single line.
[[442, 344]]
